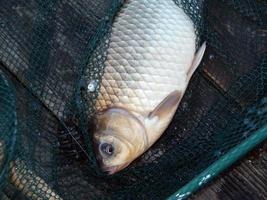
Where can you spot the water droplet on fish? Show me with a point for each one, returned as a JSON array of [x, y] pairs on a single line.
[[92, 86]]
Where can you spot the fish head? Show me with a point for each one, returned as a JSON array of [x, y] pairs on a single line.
[[119, 138]]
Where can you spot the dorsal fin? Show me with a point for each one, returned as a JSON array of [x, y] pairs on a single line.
[[197, 59]]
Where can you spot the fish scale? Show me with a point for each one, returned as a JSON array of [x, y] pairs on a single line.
[[152, 45]]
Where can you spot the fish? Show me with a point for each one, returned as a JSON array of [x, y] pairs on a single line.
[[149, 62]]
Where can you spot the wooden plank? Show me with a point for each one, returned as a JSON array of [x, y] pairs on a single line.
[[245, 180]]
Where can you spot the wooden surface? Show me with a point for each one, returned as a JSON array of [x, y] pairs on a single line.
[[247, 179]]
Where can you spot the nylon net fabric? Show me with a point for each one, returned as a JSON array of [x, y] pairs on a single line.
[[51, 51], [8, 129]]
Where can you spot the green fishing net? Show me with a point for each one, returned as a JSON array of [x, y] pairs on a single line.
[[8, 129], [52, 52]]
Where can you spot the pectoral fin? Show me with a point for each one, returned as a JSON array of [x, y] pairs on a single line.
[[167, 106], [197, 59], [158, 120]]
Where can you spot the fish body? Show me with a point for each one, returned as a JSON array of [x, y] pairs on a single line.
[[152, 46], [150, 60]]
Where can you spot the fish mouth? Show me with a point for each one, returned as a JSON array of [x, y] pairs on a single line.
[[113, 169], [109, 170]]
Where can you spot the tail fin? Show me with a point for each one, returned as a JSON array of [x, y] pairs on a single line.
[[196, 61]]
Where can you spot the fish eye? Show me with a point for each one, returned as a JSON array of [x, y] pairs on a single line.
[[107, 149]]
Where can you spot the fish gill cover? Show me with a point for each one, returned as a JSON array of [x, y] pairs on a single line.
[[52, 53]]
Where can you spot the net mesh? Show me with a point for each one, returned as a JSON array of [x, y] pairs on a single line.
[[51, 51], [8, 130]]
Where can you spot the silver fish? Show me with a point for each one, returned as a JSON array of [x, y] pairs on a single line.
[[150, 61]]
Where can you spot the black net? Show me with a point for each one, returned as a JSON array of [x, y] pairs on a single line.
[[8, 129], [53, 53]]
